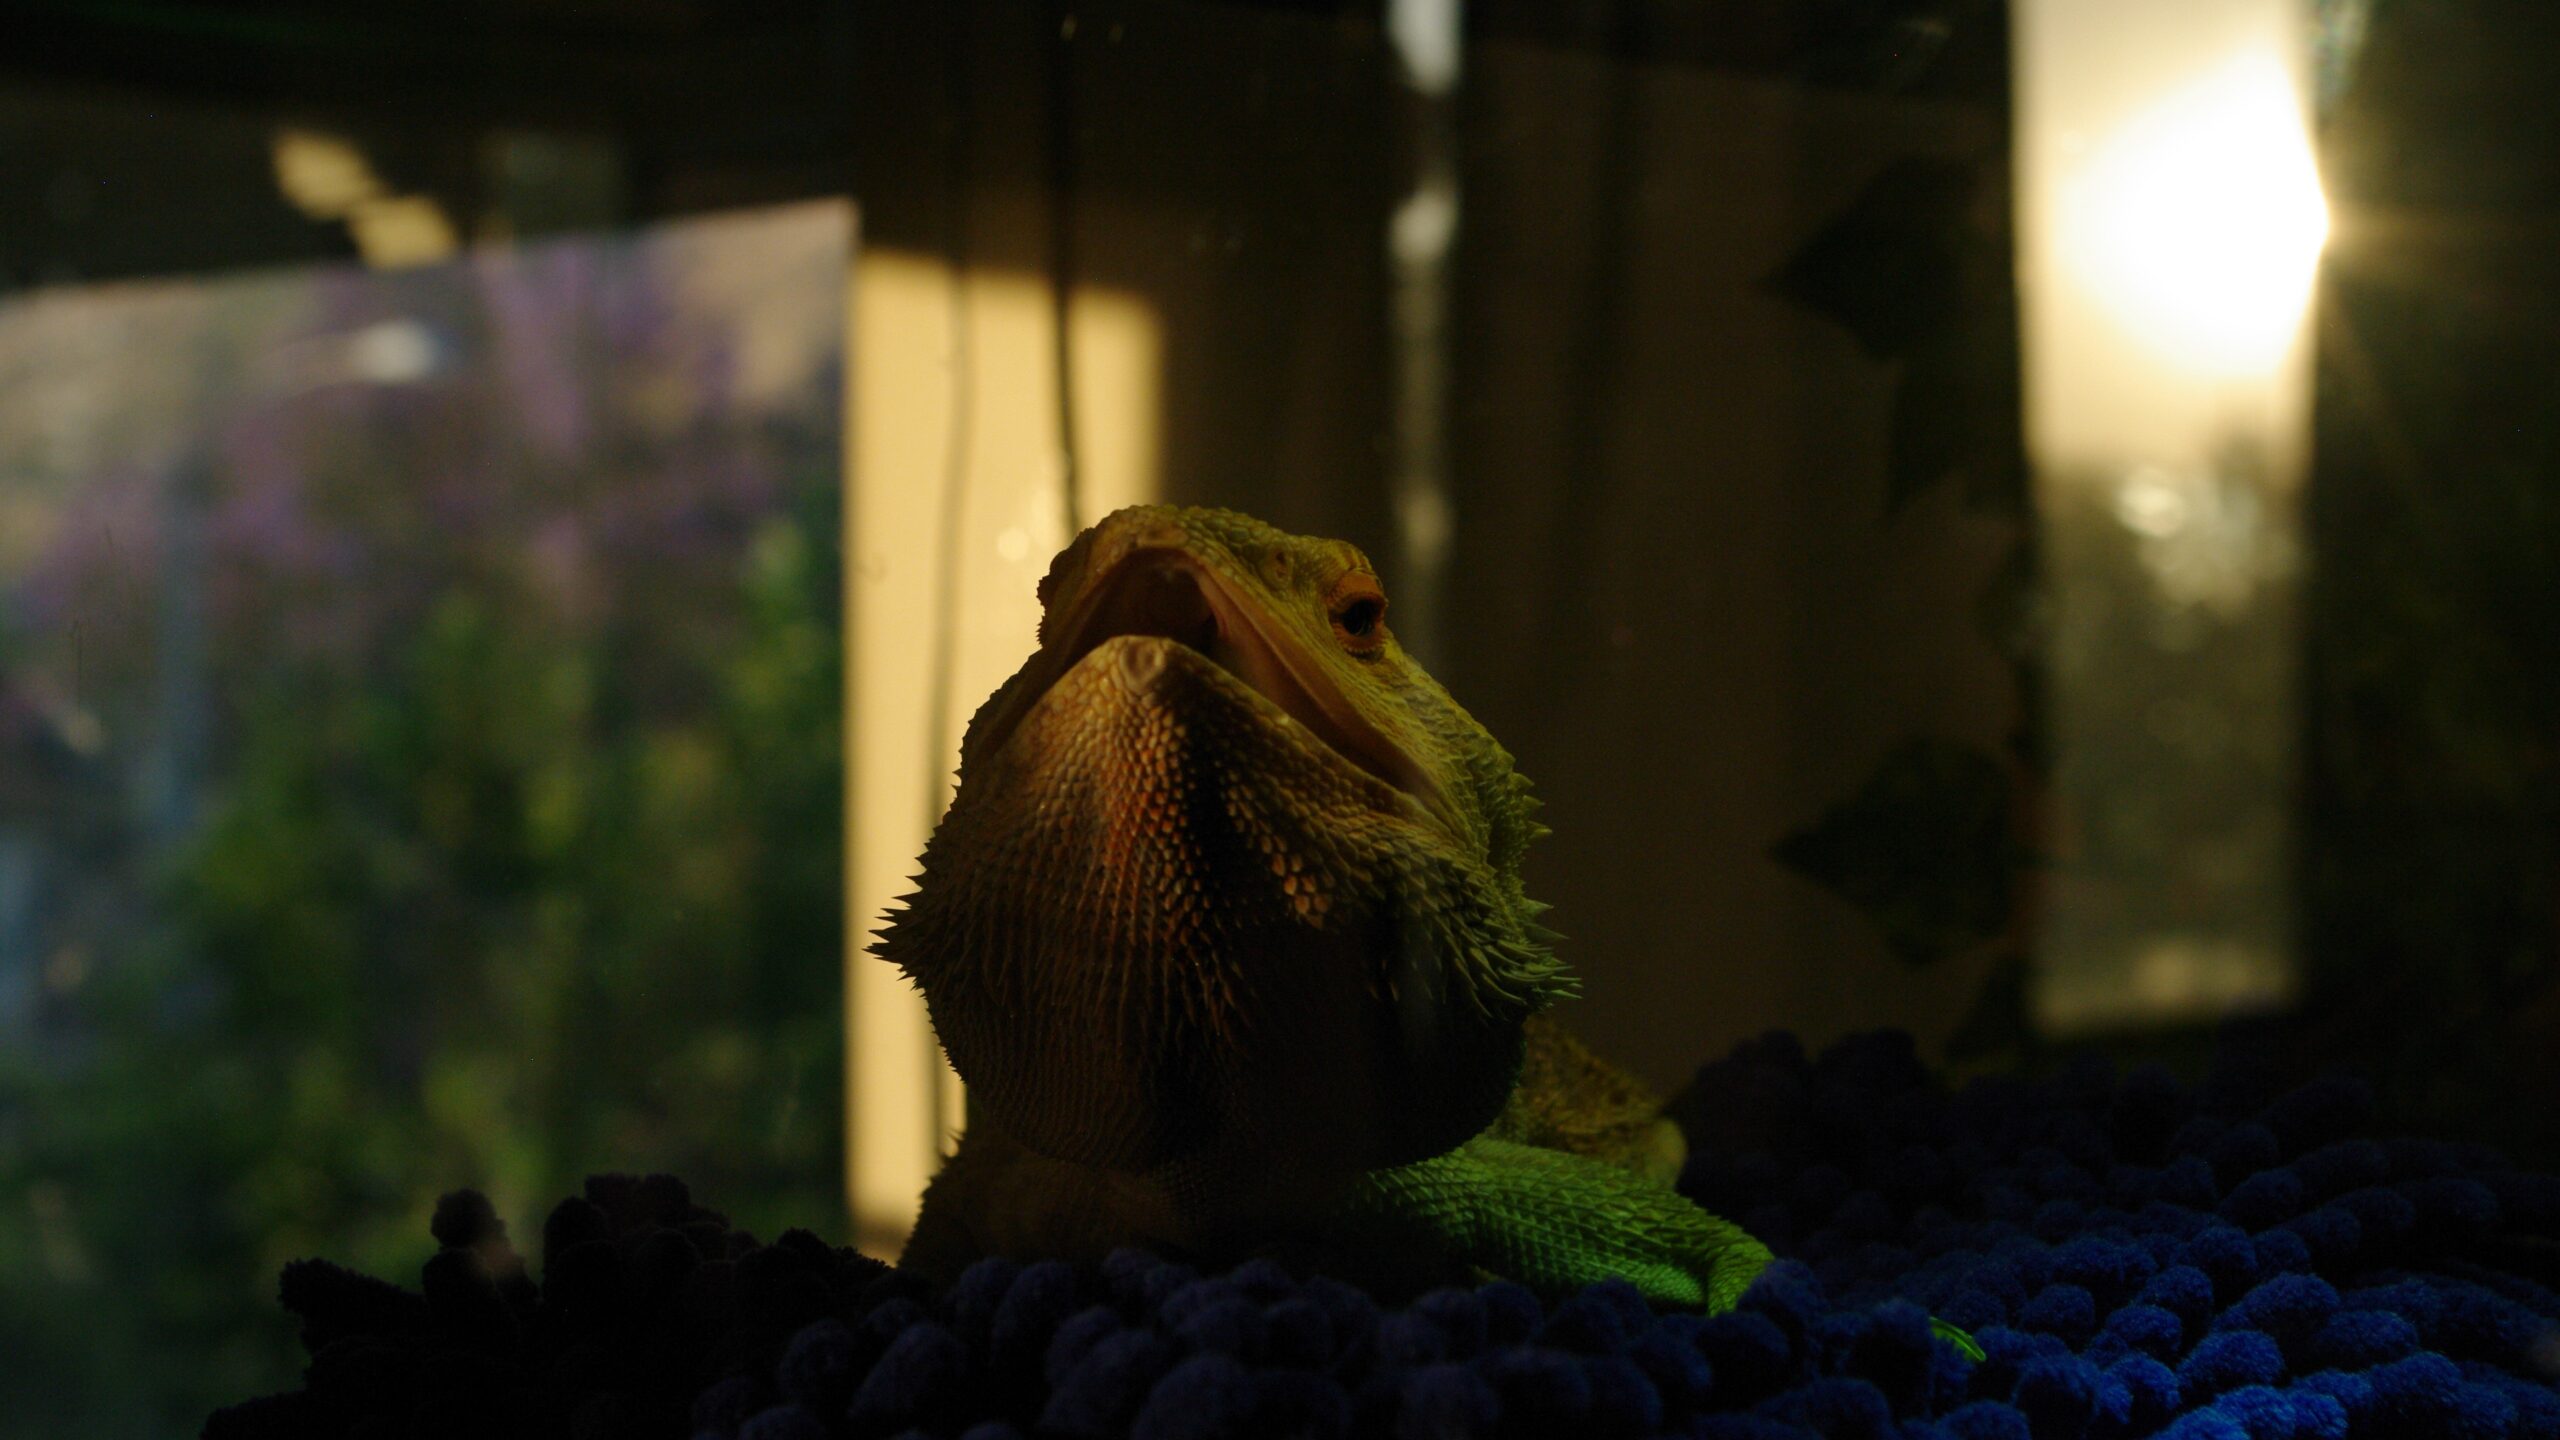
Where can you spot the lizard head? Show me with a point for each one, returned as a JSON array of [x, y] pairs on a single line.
[[1226, 871]]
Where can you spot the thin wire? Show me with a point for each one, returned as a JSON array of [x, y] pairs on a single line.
[[958, 457], [956, 452], [1062, 269], [1573, 604]]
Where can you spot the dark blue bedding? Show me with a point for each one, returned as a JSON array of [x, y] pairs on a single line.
[[2135, 1257]]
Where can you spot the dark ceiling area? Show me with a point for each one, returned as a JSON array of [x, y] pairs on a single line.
[[638, 67], [136, 135], [137, 138], [678, 73]]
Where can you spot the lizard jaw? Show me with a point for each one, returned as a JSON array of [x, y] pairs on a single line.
[[1165, 925], [1166, 595]]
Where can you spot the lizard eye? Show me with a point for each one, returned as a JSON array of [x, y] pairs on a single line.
[[1359, 610]]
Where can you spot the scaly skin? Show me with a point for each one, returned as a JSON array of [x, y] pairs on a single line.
[[1225, 930]]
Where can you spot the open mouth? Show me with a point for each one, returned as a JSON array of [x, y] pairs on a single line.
[[1167, 594]]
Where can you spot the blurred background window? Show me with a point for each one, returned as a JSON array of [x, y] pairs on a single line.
[[420, 716]]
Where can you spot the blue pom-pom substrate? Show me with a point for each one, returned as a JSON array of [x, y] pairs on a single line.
[[2134, 1258]]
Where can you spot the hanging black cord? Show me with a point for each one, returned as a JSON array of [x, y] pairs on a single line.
[[962, 360], [1061, 146], [1601, 313]]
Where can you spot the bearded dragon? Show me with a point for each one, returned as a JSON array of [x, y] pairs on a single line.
[[1224, 929]]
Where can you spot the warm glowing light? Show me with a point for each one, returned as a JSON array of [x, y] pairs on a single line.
[[397, 231], [2200, 222], [902, 1105], [328, 178], [324, 176]]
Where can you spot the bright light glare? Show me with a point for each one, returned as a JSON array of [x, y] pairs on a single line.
[[2200, 222]]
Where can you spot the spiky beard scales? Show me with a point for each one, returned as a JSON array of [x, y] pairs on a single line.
[[1166, 922]]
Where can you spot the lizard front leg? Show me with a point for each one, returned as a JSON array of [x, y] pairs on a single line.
[[1555, 1222], [1572, 1100]]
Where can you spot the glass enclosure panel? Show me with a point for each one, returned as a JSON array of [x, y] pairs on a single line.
[[2029, 524]]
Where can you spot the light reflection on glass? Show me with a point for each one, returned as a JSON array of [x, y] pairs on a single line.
[[2199, 221]]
